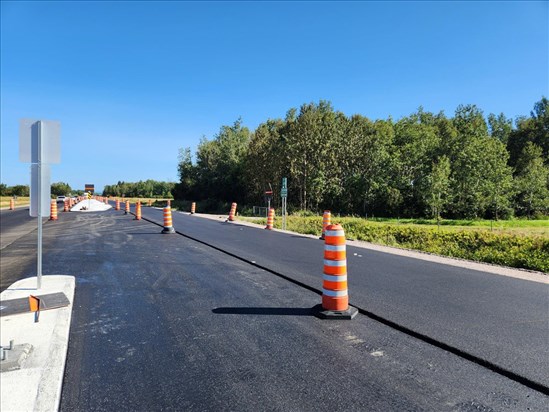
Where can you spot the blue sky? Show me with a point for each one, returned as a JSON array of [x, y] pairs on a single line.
[[132, 82]]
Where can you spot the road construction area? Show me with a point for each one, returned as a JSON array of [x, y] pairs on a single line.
[[217, 316]]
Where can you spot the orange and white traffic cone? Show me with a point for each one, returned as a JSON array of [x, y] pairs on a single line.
[[66, 206], [326, 221], [270, 219], [138, 211], [117, 204], [150, 202], [127, 209], [12, 203], [232, 213], [193, 208], [168, 228], [53, 210], [335, 296]]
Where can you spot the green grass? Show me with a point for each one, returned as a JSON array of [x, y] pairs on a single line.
[[515, 243]]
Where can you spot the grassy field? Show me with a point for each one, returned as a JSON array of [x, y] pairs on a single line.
[[514, 243], [21, 201]]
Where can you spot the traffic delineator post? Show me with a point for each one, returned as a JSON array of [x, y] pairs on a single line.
[[232, 213], [12, 203], [335, 295], [53, 210], [270, 219], [117, 205], [66, 205], [326, 221], [138, 211], [168, 226], [106, 200], [127, 209], [193, 208]]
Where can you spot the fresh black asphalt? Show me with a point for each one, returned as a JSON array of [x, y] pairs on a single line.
[[502, 320], [161, 322]]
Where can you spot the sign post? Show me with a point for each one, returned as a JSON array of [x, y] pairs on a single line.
[[284, 196], [39, 144]]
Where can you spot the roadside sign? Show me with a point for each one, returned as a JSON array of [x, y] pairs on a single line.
[[89, 195], [40, 145], [89, 188], [284, 192]]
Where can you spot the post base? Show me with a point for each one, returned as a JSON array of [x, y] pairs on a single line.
[[322, 313], [168, 230]]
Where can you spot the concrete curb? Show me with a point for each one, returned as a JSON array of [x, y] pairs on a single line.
[[37, 385]]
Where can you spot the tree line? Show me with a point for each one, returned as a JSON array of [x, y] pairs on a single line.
[[422, 165], [148, 188], [57, 189]]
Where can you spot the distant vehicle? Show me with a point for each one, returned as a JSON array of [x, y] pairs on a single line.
[[61, 199]]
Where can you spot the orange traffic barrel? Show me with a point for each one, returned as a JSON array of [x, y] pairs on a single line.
[[66, 205], [232, 213], [12, 203], [117, 205], [326, 221], [193, 208], [53, 210], [168, 228], [127, 209], [270, 219], [335, 296], [138, 211]]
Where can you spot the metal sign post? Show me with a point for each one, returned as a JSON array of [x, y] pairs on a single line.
[[39, 144], [284, 196]]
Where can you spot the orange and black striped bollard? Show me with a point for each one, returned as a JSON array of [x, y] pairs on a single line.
[[270, 219], [326, 221], [232, 212], [138, 211], [168, 225], [53, 210]]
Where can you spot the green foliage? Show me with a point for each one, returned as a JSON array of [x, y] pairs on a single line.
[[423, 165], [60, 189], [18, 190], [148, 188]]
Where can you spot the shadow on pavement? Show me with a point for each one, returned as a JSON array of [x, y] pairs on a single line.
[[263, 311]]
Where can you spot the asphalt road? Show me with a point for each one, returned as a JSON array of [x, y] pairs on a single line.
[[502, 320], [161, 322], [17, 262]]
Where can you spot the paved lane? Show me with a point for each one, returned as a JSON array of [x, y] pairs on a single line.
[[497, 318], [18, 243], [163, 323]]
